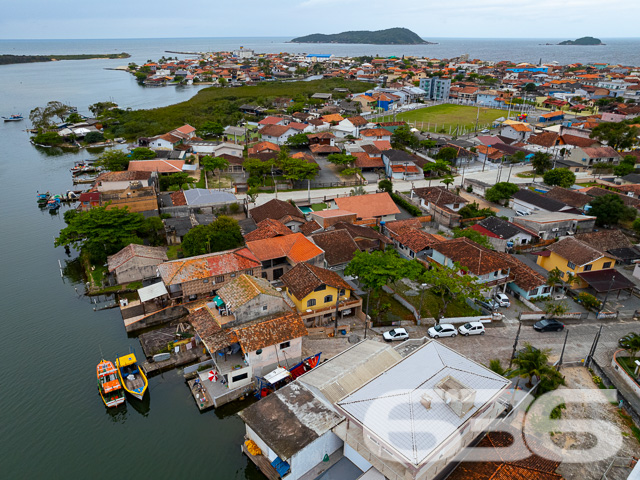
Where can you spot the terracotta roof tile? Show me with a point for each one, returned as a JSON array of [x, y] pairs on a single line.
[[476, 258], [302, 279], [296, 247], [575, 251], [244, 288], [310, 227], [133, 250], [369, 206], [338, 245], [276, 210], [417, 240], [570, 197], [267, 228], [261, 334]]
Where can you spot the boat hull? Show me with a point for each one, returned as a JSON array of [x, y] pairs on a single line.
[[109, 388], [132, 378]]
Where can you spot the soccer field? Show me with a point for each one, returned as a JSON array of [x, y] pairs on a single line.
[[446, 117]]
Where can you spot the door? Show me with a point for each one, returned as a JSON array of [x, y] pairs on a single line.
[[277, 273]]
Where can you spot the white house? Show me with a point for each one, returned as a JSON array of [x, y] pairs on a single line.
[[516, 130], [375, 414]]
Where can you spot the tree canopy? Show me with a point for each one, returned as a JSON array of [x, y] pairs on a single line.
[[448, 154], [211, 129], [113, 160], [100, 232], [473, 235], [221, 234], [610, 210], [626, 166], [450, 286], [501, 191], [618, 136], [43, 117], [142, 153], [533, 363], [403, 136], [298, 140], [541, 162], [562, 177], [296, 169]]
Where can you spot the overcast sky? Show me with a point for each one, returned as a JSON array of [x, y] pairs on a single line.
[[44, 19]]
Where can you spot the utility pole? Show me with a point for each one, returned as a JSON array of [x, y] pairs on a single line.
[[562, 353], [592, 352], [606, 296], [335, 334], [366, 318], [515, 346]]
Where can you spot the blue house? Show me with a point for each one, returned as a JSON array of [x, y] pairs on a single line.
[[526, 280]]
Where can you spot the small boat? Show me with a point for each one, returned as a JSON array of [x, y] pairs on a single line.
[[13, 118], [133, 379], [109, 386], [161, 357], [42, 198], [54, 203]]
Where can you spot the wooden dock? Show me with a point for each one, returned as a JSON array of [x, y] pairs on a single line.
[[200, 395], [262, 463], [215, 394]]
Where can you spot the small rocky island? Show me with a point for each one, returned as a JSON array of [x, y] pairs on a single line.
[[583, 41], [8, 59], [390, 36]]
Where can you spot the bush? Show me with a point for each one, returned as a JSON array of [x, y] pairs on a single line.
[[234, 208], [588, 301], [48, 138], [94, 137], [409, 207]]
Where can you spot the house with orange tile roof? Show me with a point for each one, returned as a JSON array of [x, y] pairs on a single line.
[[376, 134], [372, 208], [517, 131], [277, 134], [279, 254], [589, 156], [199, 277], [263, 147]]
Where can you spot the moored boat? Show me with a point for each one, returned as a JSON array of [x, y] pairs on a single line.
[[54, 202], [42, 198], [109, 386], [133, 379], [13, 118]]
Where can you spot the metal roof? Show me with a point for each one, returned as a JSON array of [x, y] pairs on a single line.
[[389, 406], [351, 369], [152, 291], [201, 196]]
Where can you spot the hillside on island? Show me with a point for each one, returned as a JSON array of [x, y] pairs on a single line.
[[390, 36], [583, 41]]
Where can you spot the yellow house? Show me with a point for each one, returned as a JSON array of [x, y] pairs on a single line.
[[572, 256], [316, 292]]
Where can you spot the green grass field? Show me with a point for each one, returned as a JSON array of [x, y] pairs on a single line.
[[434, 119]]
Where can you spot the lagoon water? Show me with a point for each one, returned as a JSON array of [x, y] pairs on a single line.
[[53, 422]]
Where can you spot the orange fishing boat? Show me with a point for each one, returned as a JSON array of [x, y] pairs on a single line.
[[109, 386]]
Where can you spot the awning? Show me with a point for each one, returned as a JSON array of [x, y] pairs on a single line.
[[218, 301], [606, 280], [152, 291], [277, 375]]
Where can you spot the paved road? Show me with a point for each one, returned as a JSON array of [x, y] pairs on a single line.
[[498, 341]]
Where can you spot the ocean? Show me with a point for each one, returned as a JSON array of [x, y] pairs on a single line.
[[624, 51]]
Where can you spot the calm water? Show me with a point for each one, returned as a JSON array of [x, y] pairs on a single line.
[[619, 50], [53, 422]]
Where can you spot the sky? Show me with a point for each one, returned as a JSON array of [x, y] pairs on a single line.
[[74, 19]]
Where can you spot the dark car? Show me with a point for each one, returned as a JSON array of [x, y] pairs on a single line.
[[624, 341], [548, 325]]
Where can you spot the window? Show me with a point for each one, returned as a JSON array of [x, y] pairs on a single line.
[[206, 280], [320, 288], [284, 345], [242, 376], [328, 298], [588, 268], [342, 292], [533, 292], [233, 275], [311, 303], [264, 308], [248, 272], [571, 265], [606, 265], [562, 274], [220, 279]]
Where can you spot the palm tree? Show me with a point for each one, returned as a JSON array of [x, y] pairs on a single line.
[[209, 164], [532, 362], [554, 279], [448, 180], [359, 190], [632, 345]]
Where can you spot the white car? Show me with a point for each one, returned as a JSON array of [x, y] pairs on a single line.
[[503, 300], [485, 131], [442, 330], [471, 328], [395, 334], [521, 213]]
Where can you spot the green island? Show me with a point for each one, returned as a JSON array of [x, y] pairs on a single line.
[[583, 41], [7, 59], [390, 36], [217, 105]]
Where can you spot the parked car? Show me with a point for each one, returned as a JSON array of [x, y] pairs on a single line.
[[521, 213], [488, 303], [503, 300], [471, 328], [486, 130], [624, 341], [548, 325], [395, 334], [442, 330]]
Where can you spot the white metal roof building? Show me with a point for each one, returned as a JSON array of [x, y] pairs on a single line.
[[411, 413]]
